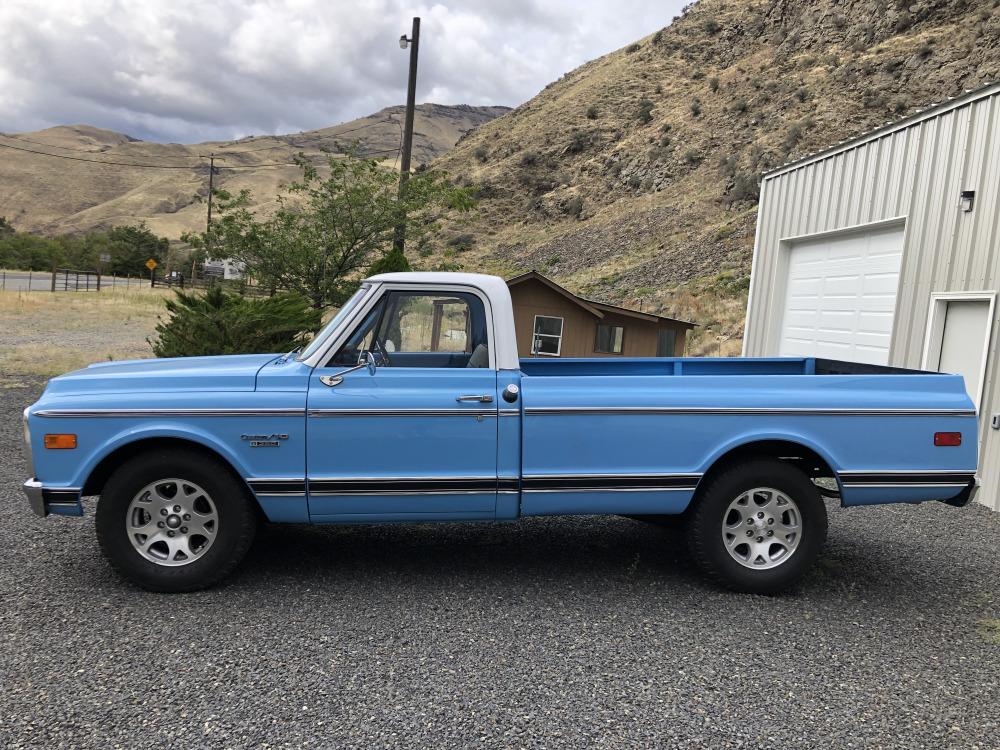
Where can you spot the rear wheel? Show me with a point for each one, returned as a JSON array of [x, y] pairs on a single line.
[[174, 520], [758, 526]]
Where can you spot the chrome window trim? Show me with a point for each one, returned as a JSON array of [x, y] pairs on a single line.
[[379, 289]]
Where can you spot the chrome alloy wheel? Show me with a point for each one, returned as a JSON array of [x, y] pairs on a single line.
[[172, 522], [762, 528]]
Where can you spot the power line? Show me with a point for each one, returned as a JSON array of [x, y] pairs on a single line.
[[85, 151], [99, 161], [174, 166]]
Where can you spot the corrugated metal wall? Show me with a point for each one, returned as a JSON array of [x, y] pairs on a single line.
[[916, 170]]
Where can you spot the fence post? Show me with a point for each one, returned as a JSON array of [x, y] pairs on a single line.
[[29, 280], [98, 281]]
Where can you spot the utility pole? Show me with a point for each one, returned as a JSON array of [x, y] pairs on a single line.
[[211, 186], [411, 95]]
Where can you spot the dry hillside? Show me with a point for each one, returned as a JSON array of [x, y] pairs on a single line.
[[52, 195], [633, 178]]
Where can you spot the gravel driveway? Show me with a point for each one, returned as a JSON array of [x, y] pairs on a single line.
[[546, 633]]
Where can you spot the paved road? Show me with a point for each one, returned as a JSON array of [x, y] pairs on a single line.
[[41, 281], [547, 633]]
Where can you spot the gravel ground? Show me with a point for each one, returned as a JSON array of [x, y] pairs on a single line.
[[546, 633]]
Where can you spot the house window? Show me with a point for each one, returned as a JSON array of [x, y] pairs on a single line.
[[547, 340], [609, 339], [665, 343]]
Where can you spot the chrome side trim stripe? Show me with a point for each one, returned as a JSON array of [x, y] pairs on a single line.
[[139, 413], [937, 478], [457, 412], [403, 486], [609, 482], [278, 487], [541, 411]]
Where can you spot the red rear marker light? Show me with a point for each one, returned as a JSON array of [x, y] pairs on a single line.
[[947, 438]]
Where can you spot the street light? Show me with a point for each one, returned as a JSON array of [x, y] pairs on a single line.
[[413, 42]]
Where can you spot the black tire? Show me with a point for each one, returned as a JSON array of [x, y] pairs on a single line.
[[711, 509], [235, 512]]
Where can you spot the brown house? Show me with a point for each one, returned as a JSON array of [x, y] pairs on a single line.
[[553, 322]]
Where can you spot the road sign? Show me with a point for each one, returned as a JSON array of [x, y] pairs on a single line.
[[151, 264], [105, 257]]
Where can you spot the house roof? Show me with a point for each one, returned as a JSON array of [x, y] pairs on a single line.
[[597, 309]]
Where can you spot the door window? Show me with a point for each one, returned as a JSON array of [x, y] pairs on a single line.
[[422, 329], [547, 339]]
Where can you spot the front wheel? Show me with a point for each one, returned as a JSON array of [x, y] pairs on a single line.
[[758, 526], [174, 521]]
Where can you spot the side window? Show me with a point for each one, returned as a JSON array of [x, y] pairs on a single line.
[[609, 339], [422, 329], [547, 338]]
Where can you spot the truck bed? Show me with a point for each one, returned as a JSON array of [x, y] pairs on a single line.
[[620, 366]]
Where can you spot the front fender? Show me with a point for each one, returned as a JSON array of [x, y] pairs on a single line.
[[130, 435]]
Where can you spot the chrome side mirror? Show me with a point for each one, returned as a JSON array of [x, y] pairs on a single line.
[[365, 360]]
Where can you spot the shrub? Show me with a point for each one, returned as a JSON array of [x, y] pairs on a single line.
[[696, 107], [481, 153], [578, 141], [645, 112], [713, 84], [711, 26], [739, 106], [903, 23], [692, 157], [634, 47], [802, 93], [658, 36], [219, 322], [530, 159], [745, 188], [924, 51], [462, 242], [574, 207], [592, 112]]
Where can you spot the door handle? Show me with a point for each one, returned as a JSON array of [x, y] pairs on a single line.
[[484, 399]]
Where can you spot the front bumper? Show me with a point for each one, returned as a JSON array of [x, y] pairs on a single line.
[[60, 501]]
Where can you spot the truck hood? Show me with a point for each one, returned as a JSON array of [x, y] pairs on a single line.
[[237, 372]]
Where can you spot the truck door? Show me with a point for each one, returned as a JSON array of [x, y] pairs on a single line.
[[416, 440]]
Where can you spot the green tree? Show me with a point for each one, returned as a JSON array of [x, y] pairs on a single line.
[[218, 322], [131, 246], [328, 229]]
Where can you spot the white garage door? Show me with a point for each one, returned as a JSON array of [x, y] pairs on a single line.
[[840, 296]]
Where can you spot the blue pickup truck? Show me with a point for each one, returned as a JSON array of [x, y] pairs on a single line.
[[412, 405]]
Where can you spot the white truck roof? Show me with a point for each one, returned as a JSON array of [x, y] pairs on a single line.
[[496, 291]]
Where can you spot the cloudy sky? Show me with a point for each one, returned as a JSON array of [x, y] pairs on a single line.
[[195, 70]]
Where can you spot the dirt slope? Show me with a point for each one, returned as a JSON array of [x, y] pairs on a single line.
[[50, 195], [633, 178]]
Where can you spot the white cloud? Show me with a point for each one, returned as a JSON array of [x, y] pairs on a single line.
[[187, 70]]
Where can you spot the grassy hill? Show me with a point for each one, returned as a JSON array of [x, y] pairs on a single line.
[[633, 178], [54, 195]]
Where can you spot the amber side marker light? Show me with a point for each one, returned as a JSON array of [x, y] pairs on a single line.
[[947, 438], [59, 441]]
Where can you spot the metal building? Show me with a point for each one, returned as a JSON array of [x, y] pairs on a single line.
[[886, 249]]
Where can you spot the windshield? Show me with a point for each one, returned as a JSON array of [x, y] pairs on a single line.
[[342, 313]]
